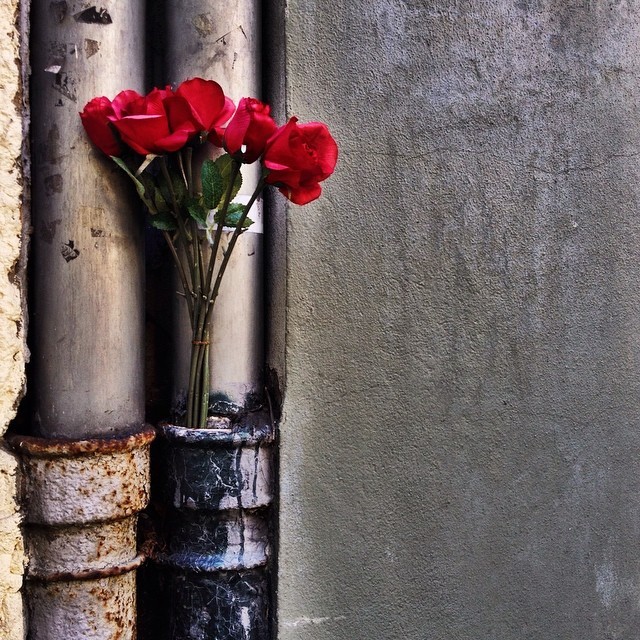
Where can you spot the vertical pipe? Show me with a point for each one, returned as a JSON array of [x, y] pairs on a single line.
[[82, 499], [88, 275], [219, 481], [89, 469], [221, 42]]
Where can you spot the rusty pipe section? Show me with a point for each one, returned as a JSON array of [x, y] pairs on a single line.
[[81, 504], [88, 277], [221, 41]]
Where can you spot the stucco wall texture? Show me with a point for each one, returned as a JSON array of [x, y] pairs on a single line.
[[12, 325], [462, 412]]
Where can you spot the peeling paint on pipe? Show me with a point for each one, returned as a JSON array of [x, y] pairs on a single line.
[[218, 488], [81, 504]]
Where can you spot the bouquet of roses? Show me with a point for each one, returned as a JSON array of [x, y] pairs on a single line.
[[155, 139]]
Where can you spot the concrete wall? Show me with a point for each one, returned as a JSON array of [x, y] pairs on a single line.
[[461, 432], [12, 324]]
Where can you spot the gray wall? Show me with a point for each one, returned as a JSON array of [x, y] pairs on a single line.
[[461, 429]]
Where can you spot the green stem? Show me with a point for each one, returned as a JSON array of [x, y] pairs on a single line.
[[227, 253], [197, 374], [186, 241], [192, 391], [182, 171], [216, 240], [188, 292], [202, 406]]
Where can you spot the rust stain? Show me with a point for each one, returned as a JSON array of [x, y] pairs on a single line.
[[57, 447], [203, 25], [88, 574], [51, 149], [69, 251], [91, 47]]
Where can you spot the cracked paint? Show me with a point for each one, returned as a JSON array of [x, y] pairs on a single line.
[[219, 485]]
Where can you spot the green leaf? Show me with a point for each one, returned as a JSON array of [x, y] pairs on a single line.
[[140, 188], [234, 213], [163, 221], [153, 193], [163, 187], [179, 187], [212, 186], [225, 165], [160, 202], [197, 211]]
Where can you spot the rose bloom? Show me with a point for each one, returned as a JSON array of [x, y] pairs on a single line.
[[97, 116], [200, 106], [245, 137], [144, 125], [299, 157], [161, 122]]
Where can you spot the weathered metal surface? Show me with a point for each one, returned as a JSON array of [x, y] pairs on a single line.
[[101, 609], [206, 541], [221, 41], [217, 470], [55, 551], [87, 310], [78, 482], [227, 605], [81, 504], [218, 485]]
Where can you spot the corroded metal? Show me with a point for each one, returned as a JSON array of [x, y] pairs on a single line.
[[81, 504], [221, 41], [87, 309], [218, 486], [100, 609]]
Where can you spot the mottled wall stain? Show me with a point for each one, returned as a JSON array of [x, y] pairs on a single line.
[[461, 414]]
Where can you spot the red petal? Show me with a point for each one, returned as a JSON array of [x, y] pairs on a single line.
[[142, 132], [95, 120], [122, 101], [303, 195], [206, 99], [237, 128]]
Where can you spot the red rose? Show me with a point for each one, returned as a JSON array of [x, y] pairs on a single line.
[[144, 125], [299, 157], [96, 123], [245, 137], [199, 105], [122, 101]]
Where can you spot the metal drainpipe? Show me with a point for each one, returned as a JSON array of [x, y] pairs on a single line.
[[219, 481], [87, 472], [221, 41]]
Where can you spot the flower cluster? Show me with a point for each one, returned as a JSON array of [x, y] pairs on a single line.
[[152, 139], [295, 157]]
